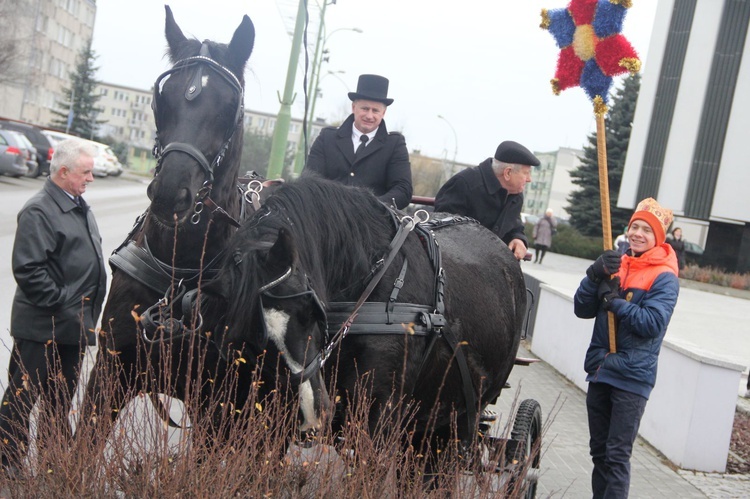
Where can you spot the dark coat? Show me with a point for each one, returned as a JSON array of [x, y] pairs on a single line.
[[384, 167], [678, 245], [476, 192], [59, 269]]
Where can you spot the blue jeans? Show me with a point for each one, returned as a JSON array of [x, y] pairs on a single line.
[[614, 417]]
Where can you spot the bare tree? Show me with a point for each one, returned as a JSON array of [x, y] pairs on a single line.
[[14, 39]]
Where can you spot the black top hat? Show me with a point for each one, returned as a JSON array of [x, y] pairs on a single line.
[[372, 87]]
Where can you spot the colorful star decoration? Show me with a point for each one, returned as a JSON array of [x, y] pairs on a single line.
[[592, 49]]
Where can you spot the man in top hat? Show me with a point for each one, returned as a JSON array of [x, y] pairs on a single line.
[[640, 288], [361, 151], [492, 193]]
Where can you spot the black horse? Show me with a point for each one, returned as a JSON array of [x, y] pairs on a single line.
[[176, 244], [440, 323]]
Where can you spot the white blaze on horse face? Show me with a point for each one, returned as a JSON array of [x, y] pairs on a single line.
[[276, 325], [204, 81]]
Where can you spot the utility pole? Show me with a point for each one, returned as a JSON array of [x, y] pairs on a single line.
[[299, 158], [284, 118]]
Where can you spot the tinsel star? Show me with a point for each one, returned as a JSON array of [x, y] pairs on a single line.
[[592, 49]]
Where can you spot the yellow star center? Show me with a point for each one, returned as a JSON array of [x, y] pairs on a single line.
[[584, 42]]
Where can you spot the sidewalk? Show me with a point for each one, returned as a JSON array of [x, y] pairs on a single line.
[[565, 464]]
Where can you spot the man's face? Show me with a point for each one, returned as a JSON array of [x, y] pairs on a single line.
[[514, 180], [367, 114], [641, 236], [73, 179]]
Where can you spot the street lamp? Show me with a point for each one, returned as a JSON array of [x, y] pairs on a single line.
[[455, 147], [312, 90]]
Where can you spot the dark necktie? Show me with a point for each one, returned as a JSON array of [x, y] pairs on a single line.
[[362, 141]]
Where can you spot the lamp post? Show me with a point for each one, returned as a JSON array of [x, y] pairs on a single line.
[[455, 147], [281, 130], [318, 60]]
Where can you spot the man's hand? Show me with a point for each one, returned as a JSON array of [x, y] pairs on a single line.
[[609, 289], [518, 248], [607, 264]]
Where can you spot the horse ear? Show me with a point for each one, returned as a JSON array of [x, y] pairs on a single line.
[[241, 45], [283, 254], [174, 35]]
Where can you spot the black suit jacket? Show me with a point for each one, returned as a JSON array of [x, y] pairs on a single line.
[[383, 168], [476, 192]]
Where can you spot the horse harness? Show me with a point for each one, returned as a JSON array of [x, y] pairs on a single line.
[[203, 59], [176, 285], [391, 317]]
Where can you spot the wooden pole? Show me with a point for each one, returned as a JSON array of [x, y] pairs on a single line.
[[601, 145]]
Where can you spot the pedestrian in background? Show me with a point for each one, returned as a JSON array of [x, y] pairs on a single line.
[[678, 245], [621, 242], [544, 229], [642, 296], [59, 269], [492, 194], [361, 151]]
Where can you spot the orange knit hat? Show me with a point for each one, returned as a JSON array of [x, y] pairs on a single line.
[[656, 216]]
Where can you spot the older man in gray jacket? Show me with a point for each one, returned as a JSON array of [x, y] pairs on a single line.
[[59, 269]]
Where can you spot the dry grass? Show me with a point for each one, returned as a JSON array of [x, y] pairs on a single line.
[[142, 457], [717, 277]]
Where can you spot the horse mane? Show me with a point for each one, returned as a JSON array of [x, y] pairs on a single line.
[[339, 232]]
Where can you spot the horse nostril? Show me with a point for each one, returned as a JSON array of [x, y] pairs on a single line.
[[183, 200]]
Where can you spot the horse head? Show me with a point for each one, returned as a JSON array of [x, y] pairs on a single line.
[[274, 310], [198, 111]]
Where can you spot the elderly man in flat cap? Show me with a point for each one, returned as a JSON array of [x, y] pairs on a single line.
[[492, 193], [361, 151]]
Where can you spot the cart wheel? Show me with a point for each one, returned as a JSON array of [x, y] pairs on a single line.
[[527, 437]]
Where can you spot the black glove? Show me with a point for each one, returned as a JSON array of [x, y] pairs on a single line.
[[609, 289], [607, 264]]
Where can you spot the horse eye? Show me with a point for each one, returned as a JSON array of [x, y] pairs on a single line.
[[237, 257]]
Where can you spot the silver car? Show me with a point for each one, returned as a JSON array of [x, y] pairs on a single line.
[[12, 155], [32, 161]]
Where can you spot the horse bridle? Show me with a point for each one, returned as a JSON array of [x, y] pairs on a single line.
[[405, 226], [316, 362], [194, 89]]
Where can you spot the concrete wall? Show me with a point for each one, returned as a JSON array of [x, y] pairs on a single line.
[[690, 413]]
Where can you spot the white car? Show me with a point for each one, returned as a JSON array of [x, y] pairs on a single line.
[[102, 164]]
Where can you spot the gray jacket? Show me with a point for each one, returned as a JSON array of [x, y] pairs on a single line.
[[59, 269]]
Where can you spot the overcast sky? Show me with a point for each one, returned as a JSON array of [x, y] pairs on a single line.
[[484, 65]]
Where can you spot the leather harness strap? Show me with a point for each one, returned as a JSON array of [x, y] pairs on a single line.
[[140, 264], [376, 318]]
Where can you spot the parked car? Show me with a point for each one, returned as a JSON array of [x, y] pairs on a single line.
[[12, 159], [114, 167], [30, 152], [693, 253], [101, 166], [41, 143]]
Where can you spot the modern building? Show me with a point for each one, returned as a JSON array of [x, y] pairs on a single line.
[[551, 183], [688, 148], [50, 36]]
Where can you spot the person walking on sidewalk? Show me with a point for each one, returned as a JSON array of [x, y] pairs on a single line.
[[640, 288], [544, 229]]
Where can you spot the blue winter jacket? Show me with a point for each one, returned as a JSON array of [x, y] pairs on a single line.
[[648, 289]]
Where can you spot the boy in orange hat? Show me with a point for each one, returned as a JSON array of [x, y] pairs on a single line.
[[640, 288]]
